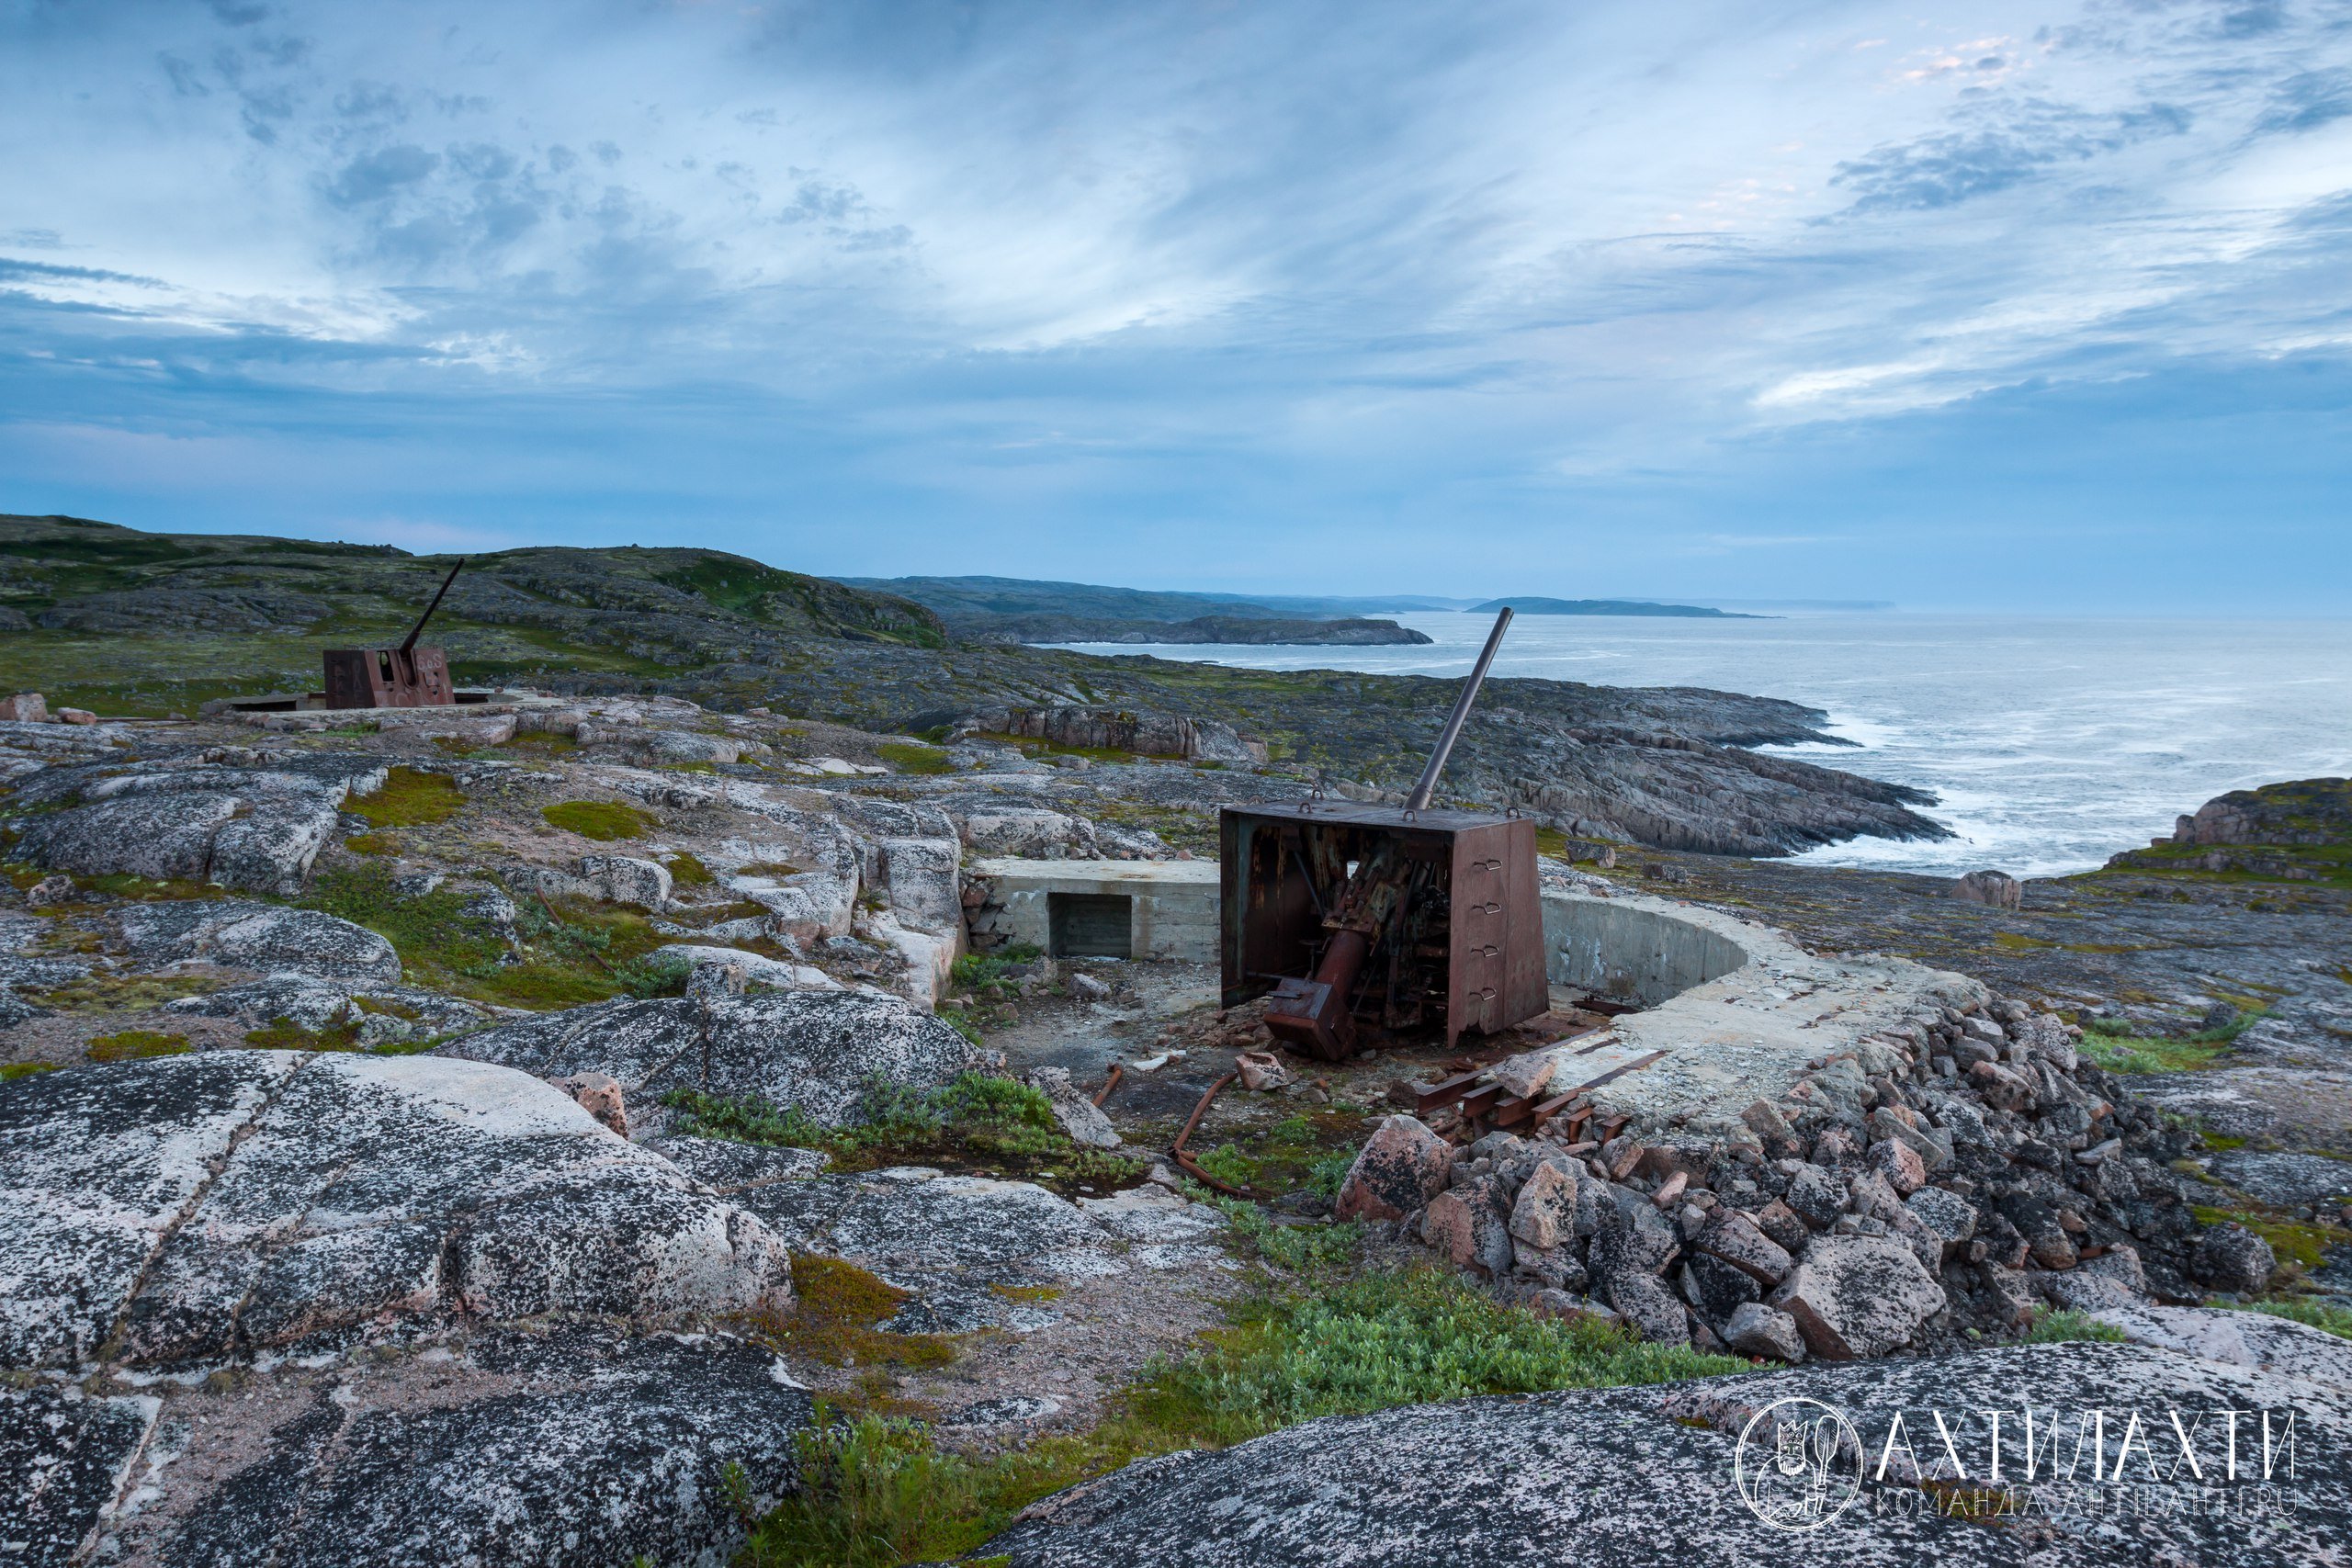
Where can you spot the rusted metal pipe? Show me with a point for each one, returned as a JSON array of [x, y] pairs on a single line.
[[1419, 799], [1110, 1083]]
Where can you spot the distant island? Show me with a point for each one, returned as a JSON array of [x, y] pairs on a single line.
[[1607, 607]]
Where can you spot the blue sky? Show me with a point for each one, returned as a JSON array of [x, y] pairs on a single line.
[[2034, 306]]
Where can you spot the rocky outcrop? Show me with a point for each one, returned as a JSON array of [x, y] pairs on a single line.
[[270, 938], [819, 1050], [560, 1444], [1140, 732], [974, 1252], [1658, 1477], [1994, 889], [251, 827], [200, 1207]]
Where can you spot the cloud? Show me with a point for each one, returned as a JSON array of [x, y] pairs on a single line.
[[901, 278], [378, 174], [1949, 167]]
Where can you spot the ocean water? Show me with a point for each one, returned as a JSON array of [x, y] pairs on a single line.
[[2049, 743]]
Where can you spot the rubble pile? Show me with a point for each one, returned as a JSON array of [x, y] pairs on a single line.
[[1956, 1172]]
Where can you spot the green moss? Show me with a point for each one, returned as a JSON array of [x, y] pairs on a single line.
[[372, 845], [408, 799], [12, 1071], [687, 871], [603, 821], [2299, 1245], [833, 1317], [135, 1045], [912, 757]]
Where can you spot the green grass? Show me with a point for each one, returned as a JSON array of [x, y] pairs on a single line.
[[408, 799], [2105, 1042], [2058, 1327], [15, 1070], [135, 1045], [879, 1493], [912, 757], [2321, 1315], [603, 821]]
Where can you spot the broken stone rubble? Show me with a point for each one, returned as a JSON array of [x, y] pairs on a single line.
[[1889, 1198]]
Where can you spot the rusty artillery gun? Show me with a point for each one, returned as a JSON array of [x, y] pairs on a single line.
[[1367, 922], [404, 677]]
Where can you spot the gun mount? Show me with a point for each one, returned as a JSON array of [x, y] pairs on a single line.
[[404, 677], [1367, 921]]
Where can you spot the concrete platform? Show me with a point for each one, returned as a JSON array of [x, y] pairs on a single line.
[[1738, 1008], [1075, 908]]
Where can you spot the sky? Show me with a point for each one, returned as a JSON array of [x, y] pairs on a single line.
[[2041, 307]]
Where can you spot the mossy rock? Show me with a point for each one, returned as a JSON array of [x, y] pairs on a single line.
[[603, 821]]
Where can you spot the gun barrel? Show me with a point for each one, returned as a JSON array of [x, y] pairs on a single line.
[[417, 630], [1419, 799]]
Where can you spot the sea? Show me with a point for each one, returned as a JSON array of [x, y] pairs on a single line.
[[2050, 743]]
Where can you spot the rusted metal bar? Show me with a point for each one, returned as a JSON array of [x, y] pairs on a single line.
[[409, 642], [1439, 1095], [1419, 799], [1184, 1161], [1478, 1101], [1510, 1110], [1110, 1083], [1635, 1066]]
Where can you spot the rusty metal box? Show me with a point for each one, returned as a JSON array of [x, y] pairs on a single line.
[[387, 678], [1463, 952]]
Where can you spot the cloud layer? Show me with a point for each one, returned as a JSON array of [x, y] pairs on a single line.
[[2034, 307]]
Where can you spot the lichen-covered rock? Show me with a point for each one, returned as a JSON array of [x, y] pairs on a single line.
[[1544, 1213], [1737, 1240], [255, 828], [1945, 1215], [1469, 1226], [1649, 1477], [202, 1206], [65, 1457], [1857, 1296], [579, 1444], [236, 934], [1400, 1167], [1079, 1116], [2231, 1258], [818, 1050], [311, 1001], [1755, 1329], [958, 1242]]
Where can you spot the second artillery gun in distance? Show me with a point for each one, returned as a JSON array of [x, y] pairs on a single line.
[[1369, 921], [404, 677]]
